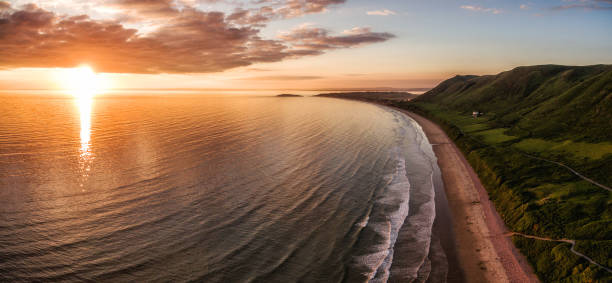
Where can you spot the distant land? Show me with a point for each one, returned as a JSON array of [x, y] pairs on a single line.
[[289, 95], [542, 147], [380, 96], [376, 89]]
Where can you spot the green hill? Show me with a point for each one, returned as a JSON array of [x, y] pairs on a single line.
[[542, 101], [530, 115]]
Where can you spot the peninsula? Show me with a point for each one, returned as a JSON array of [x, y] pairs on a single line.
[[289, 95]]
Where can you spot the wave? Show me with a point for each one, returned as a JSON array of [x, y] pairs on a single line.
[[386, 222], [401, 221]]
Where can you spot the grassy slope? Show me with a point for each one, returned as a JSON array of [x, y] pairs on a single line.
[[555, 112]]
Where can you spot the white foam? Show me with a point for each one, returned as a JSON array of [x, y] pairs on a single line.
[[397, 194], [364, 222]]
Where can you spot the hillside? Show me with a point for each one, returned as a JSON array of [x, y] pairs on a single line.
[[560, 112], [539, 101], [531, 122]]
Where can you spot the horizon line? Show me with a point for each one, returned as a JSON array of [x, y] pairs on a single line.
[[245, 89]]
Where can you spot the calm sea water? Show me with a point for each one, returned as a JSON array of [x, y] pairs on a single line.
[[213, 188]]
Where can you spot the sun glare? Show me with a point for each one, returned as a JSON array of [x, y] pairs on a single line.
[[82, 82]]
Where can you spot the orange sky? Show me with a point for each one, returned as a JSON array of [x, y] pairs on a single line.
[[291, 44]]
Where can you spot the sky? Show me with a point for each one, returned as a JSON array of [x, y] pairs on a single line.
[[293, 44]]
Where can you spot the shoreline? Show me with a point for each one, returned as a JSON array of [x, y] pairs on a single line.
[[486, 254], [473, 235]]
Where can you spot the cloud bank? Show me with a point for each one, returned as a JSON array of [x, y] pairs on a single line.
[[175, 37]]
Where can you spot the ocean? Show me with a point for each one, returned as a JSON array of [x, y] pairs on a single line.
[[214, 188]]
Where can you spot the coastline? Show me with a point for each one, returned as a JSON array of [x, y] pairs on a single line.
[[486, 254], [472, 233]]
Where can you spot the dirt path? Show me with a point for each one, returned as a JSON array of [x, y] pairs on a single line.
[[573, 242], [573, 171]]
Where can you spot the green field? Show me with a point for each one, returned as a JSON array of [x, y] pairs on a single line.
[[476, 127], [578, 150], [494, 136]]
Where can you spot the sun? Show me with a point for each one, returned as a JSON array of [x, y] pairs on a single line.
[[81, 82]]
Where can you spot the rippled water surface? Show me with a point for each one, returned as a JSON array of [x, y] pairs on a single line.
[[209, 188]]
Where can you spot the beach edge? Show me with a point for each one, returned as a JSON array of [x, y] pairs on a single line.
[[485, 252], [479, 243]]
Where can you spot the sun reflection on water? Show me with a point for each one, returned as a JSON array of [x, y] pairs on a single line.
[[85, 104], [83, 83]]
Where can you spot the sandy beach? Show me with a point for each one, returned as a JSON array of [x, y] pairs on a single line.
[[483, 251]]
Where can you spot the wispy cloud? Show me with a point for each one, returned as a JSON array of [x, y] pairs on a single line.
[[524, 6], [284, 78], [481, 9], [587, 5], [384, 12]]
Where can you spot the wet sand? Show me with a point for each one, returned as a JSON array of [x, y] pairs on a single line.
[[483, 252]]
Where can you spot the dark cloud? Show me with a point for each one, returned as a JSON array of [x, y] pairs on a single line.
[[185, 41], [308, 38]]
